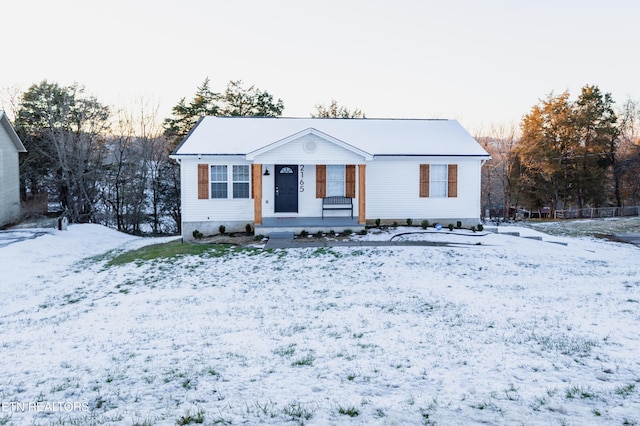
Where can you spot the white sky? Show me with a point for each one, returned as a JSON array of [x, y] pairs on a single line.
[[480, 62]]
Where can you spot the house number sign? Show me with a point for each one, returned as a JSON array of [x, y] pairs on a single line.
[[301, 178]]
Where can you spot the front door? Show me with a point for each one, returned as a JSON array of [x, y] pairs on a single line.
[[286, 189]]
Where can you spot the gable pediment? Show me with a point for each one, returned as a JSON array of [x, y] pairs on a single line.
[[308, 144]]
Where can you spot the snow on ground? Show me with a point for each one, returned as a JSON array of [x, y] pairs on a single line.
[[511, 331]]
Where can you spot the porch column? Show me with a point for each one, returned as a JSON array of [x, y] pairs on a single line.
[[256, 185], [362, 192]]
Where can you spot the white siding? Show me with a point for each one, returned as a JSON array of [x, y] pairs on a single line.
[[9, 180], [308, 204], [393, 190], [195, 210], [294, 153]]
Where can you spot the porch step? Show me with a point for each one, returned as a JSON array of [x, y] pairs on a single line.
[[280, 240]]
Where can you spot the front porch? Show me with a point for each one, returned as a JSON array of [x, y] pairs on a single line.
[[309, 224]]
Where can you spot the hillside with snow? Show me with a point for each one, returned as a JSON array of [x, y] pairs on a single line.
[[493, 329]]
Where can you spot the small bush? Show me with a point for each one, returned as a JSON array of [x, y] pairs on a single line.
[[319, 234], [425, 224], [197, 235], [332, 233], [480, 227], [222, 229], [363, 232], [395, 224], [409, 222], [473, 228], [303, 234], [348, 232], [450, 226], [459, 225], [258, 237], [247, 228], [378, 223]]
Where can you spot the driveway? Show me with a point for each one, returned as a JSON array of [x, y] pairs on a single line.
[[16, 235], [632, 237]]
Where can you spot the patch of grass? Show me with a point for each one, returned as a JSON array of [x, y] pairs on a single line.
[[304, 361], [297, 412], [175, 249], [625, 390], [285, 350], [348, 411], [188, 418], [578, 391]]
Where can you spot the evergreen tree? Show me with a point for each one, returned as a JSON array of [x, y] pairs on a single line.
[[63, 131], [252, 102]]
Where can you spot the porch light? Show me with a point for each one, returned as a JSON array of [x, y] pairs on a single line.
[[266, 172]]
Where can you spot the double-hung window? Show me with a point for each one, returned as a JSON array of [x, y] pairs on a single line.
[[241, 178], [438, 178], [335, 180], [219, 181]]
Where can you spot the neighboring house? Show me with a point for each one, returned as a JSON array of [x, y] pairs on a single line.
[[278, 173], [10, 146]]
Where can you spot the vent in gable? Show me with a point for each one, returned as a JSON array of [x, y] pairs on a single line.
[[310, 146]]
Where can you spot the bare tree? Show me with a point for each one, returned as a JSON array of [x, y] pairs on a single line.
[[336, 111], [499, 178]]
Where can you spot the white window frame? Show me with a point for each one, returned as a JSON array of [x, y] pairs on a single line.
[[438, 180], [336, 176], [242, 181], [218, 183]]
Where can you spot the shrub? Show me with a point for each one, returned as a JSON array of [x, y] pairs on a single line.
[[258, 237], [458, 225], [348, 232], [247, 228], [395, 224], [303, 233], [222, 229], [197, 235], [473, 228], [378, 223], [319, 234], [480, 227], [425, 224], [332, 233], [363, 232], [450, 226], [409, 222]]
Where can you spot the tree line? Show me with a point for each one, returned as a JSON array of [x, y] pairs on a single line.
[[113, 167], [566, 153]]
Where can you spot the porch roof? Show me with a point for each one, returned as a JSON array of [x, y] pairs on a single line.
[[376, 137]]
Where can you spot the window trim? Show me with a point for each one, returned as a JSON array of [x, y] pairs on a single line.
[[235, 182], [218, 182]]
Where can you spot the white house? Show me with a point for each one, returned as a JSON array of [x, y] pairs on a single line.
[[10, 146], [322, 173]]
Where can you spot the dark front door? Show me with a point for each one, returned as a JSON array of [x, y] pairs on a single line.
[[286, 190]]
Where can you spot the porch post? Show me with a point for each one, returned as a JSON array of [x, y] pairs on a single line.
[[362, 194], [256, 172]]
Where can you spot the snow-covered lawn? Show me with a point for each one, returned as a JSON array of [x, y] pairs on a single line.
[[511, 331]]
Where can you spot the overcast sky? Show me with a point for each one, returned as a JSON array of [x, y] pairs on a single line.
[[480, 62]]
